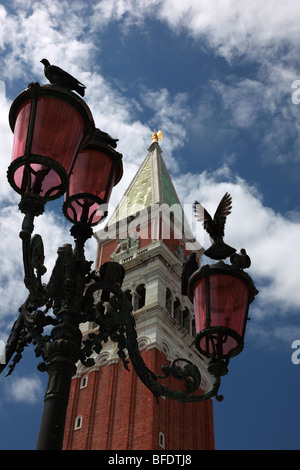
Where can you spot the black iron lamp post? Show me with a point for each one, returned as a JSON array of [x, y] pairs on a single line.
[[58, 151]]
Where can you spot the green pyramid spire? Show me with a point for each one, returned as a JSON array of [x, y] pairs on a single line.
[[151, 185]]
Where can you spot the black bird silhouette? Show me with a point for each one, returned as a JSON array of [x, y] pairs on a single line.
[[188, 268], [59, 77], [215, 227], [240, 260], [104, 137]]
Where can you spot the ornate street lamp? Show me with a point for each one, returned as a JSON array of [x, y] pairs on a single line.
[[57, 150], [221, 295], [97, 169], [50, 124]]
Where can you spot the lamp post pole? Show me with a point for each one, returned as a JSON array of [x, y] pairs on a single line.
[[62, 353]]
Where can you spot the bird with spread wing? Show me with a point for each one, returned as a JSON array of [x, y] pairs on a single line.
[[215, 227], [59, 77]]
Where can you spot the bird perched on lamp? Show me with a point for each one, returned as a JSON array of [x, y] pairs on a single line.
[[104, 137], [215, 227], [240, 260], [59, 77]]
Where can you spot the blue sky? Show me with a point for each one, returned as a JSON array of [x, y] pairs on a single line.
[[216, 76]]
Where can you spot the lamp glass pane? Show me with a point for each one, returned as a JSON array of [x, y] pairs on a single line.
[[91, 176], [228, 302], [229, 297], [200, 305], [20, 130], [58, 132]]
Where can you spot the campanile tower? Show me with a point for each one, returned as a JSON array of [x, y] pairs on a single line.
[[109, 407]]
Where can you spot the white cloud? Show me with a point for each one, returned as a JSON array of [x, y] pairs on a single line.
[[252, 30], [129, 12], [38, 30], [258, 29], [265, 106], [24, 389], [171, 114], [236, 28], [242, 32]]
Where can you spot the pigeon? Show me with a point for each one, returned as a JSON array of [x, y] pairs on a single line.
[[240, 260], [215, 228], [188, 268], [104, 137], [59, 77]]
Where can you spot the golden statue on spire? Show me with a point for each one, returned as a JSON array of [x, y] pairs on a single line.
[[156, 136]]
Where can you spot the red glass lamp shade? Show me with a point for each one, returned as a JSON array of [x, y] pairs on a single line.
[[49, 125], [221, 295], [97, 169]]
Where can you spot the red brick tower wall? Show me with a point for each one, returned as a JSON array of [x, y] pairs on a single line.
[[119, 413]]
